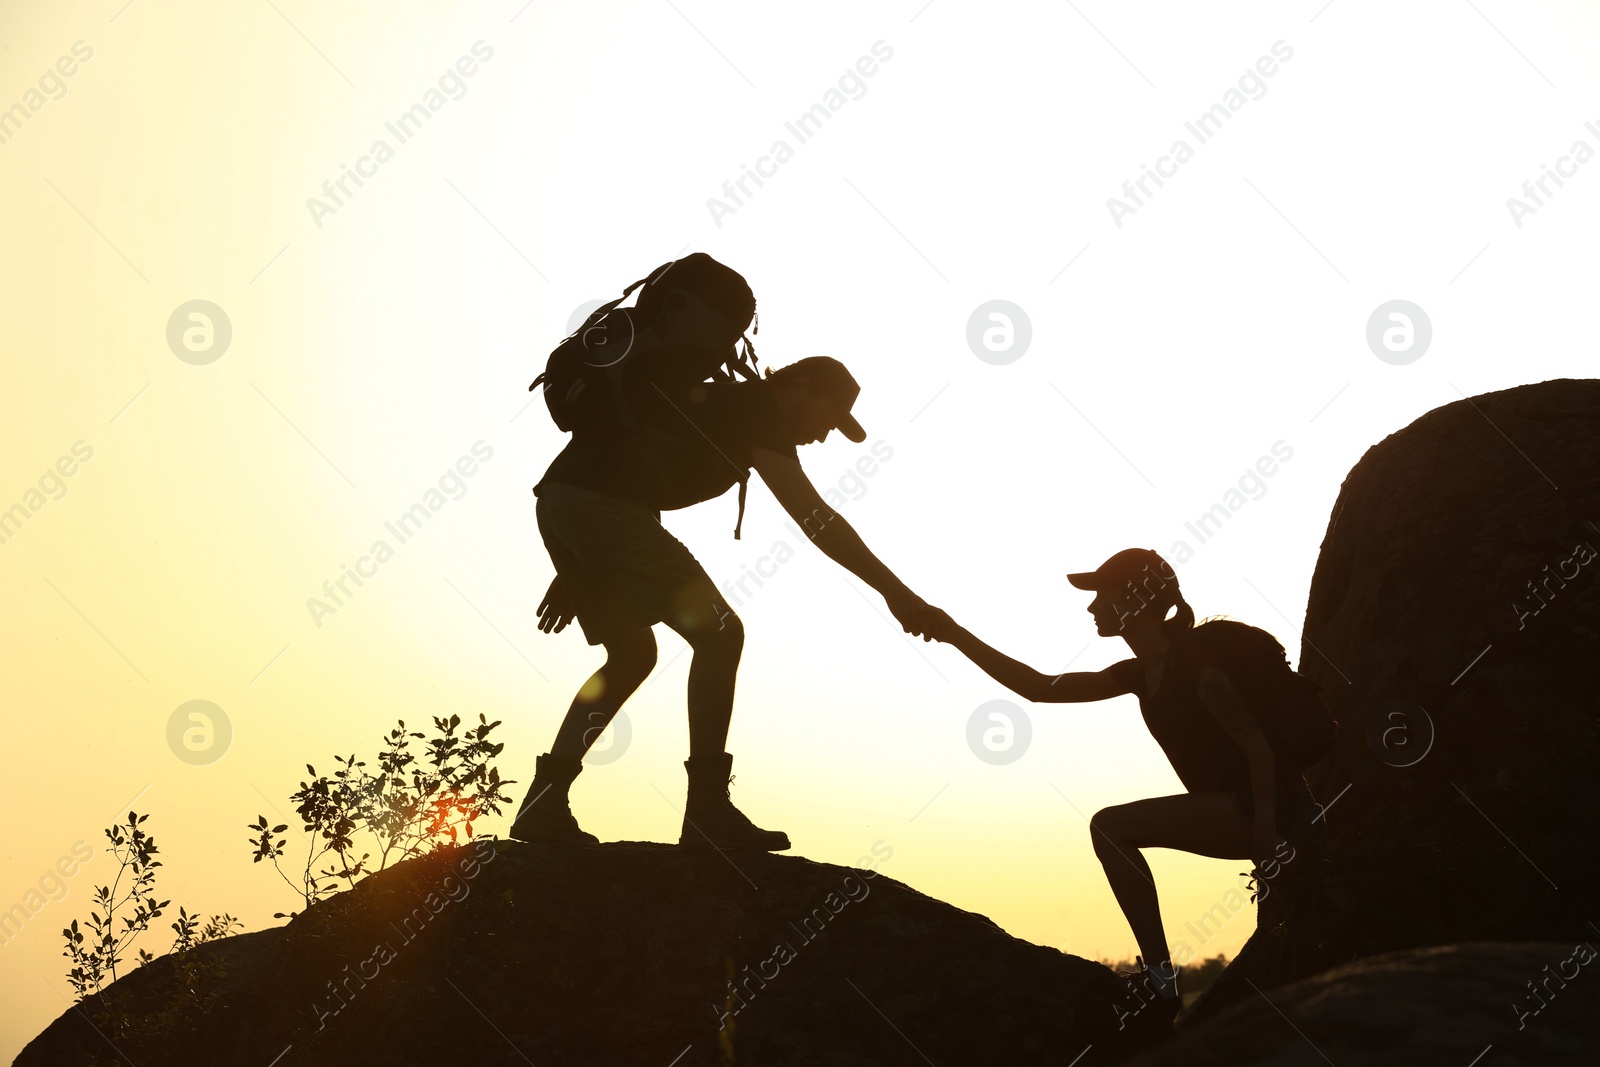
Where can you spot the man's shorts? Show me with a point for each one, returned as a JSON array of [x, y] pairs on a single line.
[[620, 567]]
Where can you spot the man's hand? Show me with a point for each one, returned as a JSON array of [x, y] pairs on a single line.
[[916, 615], [556, 610], [940, 626]]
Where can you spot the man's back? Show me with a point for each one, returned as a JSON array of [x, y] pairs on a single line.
[[601, 456], [698, 439]]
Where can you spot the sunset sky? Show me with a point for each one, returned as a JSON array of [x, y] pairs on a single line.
[[173, 508]]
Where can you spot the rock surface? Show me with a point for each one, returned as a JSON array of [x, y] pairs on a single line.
[[1534, 1004], [622, 954], [1454, 623]]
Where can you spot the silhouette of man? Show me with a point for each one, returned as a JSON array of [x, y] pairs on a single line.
[[618, 571]]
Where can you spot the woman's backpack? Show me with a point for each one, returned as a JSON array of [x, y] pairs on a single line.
[[1284, 703]]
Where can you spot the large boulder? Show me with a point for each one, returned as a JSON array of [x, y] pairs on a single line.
[[1526, 1004], [625, 953], [1454, 623]]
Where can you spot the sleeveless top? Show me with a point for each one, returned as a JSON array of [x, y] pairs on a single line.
[[1203, 753]]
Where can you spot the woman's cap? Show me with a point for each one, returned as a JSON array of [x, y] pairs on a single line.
[[1131, 566]]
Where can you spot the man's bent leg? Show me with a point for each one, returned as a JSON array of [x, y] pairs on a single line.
[[630, 657], [545, 815]]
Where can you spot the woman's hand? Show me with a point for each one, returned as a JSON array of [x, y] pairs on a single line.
[[555, 611], [1267, 846], [916, 616], [940, 626]]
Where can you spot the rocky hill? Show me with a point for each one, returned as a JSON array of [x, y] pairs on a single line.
[[1493, 1005], [625, 953]]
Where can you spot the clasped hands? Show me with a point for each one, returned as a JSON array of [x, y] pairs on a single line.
[[922, 619]]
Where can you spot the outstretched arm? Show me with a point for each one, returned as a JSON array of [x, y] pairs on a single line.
[[1026, 682], [837, 539]]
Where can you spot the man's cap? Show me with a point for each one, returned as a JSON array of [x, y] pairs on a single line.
[[1129, 565], [828, 377]]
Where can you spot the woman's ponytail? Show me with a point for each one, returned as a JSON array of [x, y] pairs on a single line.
[[1182, 620]]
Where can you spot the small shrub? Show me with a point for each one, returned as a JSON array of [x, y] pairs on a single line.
[[97, 952], [408, 806]]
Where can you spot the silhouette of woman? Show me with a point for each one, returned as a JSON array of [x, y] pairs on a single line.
[[1239, 796]]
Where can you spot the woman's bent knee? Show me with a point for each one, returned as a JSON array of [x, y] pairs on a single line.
[[1105, 827]]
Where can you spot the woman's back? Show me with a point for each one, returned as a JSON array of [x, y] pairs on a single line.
[[1203, 753]]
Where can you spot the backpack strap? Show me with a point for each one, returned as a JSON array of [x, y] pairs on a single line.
[[594, 316], [747, 370], [744, 483], [744, 365], [749, 373]]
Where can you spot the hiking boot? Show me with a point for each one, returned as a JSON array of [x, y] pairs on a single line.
[[710, 821], [1149, 984], [545, 817]]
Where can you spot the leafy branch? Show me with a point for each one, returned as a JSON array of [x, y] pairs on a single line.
[[410, 804]]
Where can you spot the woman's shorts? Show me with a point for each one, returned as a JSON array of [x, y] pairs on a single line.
[[620, 567]]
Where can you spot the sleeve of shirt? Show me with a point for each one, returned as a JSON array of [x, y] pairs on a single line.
[[1129, 675]]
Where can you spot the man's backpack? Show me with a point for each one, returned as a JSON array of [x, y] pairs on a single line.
[[1284, 703], [610, 374]]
